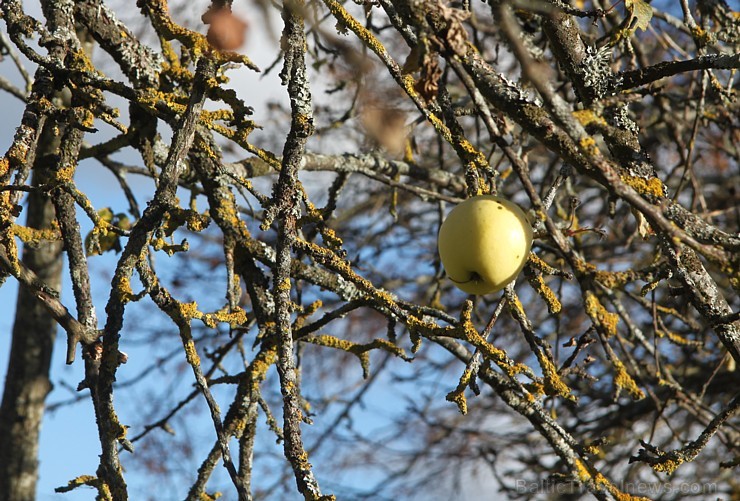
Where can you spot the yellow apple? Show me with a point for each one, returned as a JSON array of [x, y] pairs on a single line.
[[484, 243]]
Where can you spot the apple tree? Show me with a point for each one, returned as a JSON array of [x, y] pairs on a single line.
[[273, 318]]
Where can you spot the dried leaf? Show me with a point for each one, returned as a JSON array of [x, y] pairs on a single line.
[[456, 36], [643, 227], [640, 14], [428, 84]]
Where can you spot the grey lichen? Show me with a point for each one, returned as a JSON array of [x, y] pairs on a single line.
[[597, 73], [619, 117]]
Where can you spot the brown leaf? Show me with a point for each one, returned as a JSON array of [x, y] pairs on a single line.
[[428, 84], [456, 36]]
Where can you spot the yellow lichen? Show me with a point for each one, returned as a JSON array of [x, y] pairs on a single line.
[[702, 36], [86, 118], [313, 307], [158, 243], [79, 60], [534, 389], [331, 342], [610, 279], [516, 305], [64, 174], [591, 450], [331, 238], [645, 186], [234, 318], [34, 236], [19, 150], [546, 293], [223, 115], [261, 364], [191, 354], [667, 465], [12, 252], [306, 313], [587, 117], [538, 262], [468, 332], [284, 284], [227, 214], [584, 475], [151, 99], [124, 289], [582, 471], [615, 279], [553, 384], [189, 311], [604, 320], [302, 459], [622, 379], [361, 351], [209, 321], [678, 340], [88, 480], [197, 222], [588, 145], [458, 398]]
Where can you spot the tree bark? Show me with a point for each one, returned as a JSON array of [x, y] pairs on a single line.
[[27, 383]]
